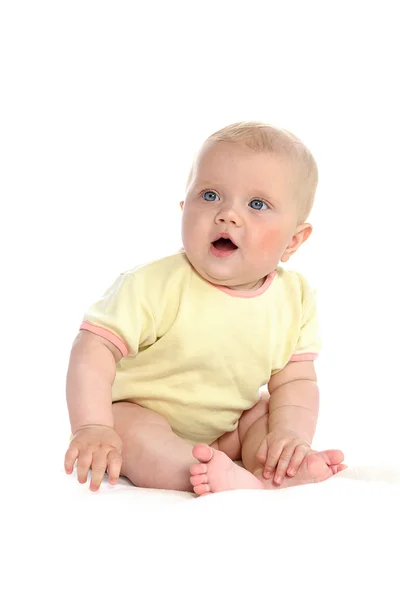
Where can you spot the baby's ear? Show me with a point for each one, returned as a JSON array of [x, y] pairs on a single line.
[[181, 204], [302, 234]]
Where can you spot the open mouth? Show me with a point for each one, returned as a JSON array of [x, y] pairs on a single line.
[[223, 247], [224, 244]]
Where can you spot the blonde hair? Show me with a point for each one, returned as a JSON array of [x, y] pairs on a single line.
[[265, 138]]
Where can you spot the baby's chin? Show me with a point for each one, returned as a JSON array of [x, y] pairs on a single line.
[[226, 274], [231, 282]]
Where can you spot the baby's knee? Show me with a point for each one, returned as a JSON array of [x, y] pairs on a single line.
[[131, 417], [249, 417]]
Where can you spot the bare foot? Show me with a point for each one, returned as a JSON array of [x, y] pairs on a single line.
[[316, 467], [217, 473]]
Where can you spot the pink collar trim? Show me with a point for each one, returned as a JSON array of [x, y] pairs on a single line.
[[248, 293]]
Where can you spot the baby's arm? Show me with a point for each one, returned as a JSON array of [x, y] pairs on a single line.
[[91, 374], [294, 402], [293, 414]]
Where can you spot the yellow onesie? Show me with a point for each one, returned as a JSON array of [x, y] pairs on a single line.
[[198, 353]]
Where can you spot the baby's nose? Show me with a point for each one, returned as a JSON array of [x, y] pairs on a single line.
[[228, 216]]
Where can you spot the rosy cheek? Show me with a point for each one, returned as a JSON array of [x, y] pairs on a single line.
[[270, 240]]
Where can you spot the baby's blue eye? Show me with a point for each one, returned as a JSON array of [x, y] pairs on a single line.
[[210, 196], [258, 204]]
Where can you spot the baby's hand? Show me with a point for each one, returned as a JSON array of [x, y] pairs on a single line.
[[96, 446], [284, 451]]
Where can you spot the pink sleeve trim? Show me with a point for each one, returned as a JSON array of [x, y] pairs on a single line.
[[108, 335], [306, 356]]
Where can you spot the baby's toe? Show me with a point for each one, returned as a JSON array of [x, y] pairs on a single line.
[[337, 468], [201, 489], [198, 479], [198, 469]]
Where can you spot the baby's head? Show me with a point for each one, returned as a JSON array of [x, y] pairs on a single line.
[[256, 185]]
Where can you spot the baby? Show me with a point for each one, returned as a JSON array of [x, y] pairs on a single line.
[[164, 379]]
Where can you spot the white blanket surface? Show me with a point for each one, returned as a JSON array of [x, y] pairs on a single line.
[[336, 539]]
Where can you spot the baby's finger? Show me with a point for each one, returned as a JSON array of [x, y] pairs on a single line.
[[83, 465], [99, 466], [261, 453], [299, 455], [273, 454], [114, 465], [70, 457], [283, 464]]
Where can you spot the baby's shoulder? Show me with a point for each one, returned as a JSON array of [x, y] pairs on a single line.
[[160, 275], [293, 285]]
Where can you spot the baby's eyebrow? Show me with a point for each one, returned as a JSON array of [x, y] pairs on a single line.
[[264, 196], [207, 183]]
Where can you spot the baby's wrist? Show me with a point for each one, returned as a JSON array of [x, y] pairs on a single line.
[[92, 425]]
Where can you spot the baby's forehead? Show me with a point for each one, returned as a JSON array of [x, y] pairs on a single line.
[[231, 160]]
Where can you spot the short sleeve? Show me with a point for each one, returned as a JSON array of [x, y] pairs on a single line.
[[309, 341], [122, 316]]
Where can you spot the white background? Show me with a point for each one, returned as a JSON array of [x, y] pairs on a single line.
[[103, 105]]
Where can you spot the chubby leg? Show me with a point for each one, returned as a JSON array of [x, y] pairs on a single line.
[[152, 455], [231, 442]]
